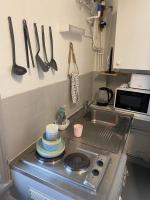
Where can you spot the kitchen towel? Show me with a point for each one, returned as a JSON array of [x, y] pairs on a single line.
[[73, 76]]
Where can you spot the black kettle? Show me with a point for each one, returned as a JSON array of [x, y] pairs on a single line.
[[104, 96]]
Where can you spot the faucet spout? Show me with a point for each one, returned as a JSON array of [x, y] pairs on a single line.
[[86, 105]]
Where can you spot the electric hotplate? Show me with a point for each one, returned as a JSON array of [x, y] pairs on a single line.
[[80, 165]]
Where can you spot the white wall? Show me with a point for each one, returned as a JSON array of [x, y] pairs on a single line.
[[47, 12], [110, 31]]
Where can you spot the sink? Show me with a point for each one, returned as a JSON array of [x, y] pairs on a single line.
[[119, 123], [105, 129], [102, 116]]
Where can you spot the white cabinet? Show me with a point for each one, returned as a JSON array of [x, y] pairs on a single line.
[[132, 43], [139, 144], [26, 188], [119, 179]]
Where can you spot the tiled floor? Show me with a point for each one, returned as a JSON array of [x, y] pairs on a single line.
[[138, 183]]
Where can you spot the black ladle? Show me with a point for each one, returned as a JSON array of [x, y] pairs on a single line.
[[53, 63], [16, 69], [44, 47], [39, 60]]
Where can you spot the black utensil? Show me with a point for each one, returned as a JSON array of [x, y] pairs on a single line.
[[28, 44], [39, 61], [53, 63], [16, 69], [44, 47], [110, 62]]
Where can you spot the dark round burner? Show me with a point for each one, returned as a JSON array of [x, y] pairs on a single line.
[[77, 161], [43, 159]]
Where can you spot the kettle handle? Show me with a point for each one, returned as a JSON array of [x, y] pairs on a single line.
[[111, 94]]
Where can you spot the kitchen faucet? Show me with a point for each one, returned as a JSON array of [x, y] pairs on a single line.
[[86, 105]]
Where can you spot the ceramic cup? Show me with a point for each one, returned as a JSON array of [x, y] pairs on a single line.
[[78, 128], [51, 132]]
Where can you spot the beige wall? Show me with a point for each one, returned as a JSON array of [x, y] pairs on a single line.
[[30, 103], [47, 12]]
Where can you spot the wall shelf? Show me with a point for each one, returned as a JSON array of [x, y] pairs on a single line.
[[87, 35], [68, 28], [111, 74]]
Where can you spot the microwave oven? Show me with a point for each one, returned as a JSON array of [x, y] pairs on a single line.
[[134, 100]]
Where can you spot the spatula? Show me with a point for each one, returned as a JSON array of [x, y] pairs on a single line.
[[39, 60], [44, 47], [53, 63]]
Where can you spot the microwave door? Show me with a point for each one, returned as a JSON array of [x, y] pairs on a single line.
[[133, 101]]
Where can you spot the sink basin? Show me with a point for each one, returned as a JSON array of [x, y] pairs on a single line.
[[105, 129], [119, 123], [102, 116]]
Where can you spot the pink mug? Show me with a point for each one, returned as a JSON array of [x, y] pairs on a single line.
[[78, 128]]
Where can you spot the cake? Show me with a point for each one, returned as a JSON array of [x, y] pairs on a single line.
[[51, 144]]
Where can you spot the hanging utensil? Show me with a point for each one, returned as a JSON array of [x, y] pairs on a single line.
[[53, 63], [16, 69], [39, 60], [110, 67], [28, 44], [44, 47]]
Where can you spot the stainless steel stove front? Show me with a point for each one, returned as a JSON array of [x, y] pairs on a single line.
[[89, 178]]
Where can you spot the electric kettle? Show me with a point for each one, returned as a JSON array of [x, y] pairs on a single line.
[[104, 96]]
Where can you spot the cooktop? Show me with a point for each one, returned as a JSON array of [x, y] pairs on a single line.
[[78, 164]]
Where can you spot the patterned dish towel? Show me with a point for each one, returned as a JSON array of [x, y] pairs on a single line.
[[75, 94], [74, 76]]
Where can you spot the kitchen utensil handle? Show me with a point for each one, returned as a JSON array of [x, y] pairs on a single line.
[[37, 38], [69, 59], [12, 40], [43, 42], [74, 59], [51, 41], [72, 55], [29, 43], [69, 55], [110, 60], [26, 44]]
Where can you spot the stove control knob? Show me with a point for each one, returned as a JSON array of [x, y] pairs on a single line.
[[95, 172], [100, 163]]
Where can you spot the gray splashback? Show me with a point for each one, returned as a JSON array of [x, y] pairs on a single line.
[[112, 82], [26, 115]]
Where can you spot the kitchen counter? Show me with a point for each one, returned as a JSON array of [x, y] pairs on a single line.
[[71, 190]]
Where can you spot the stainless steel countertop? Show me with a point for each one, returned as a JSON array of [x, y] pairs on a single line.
[[61, 185]]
